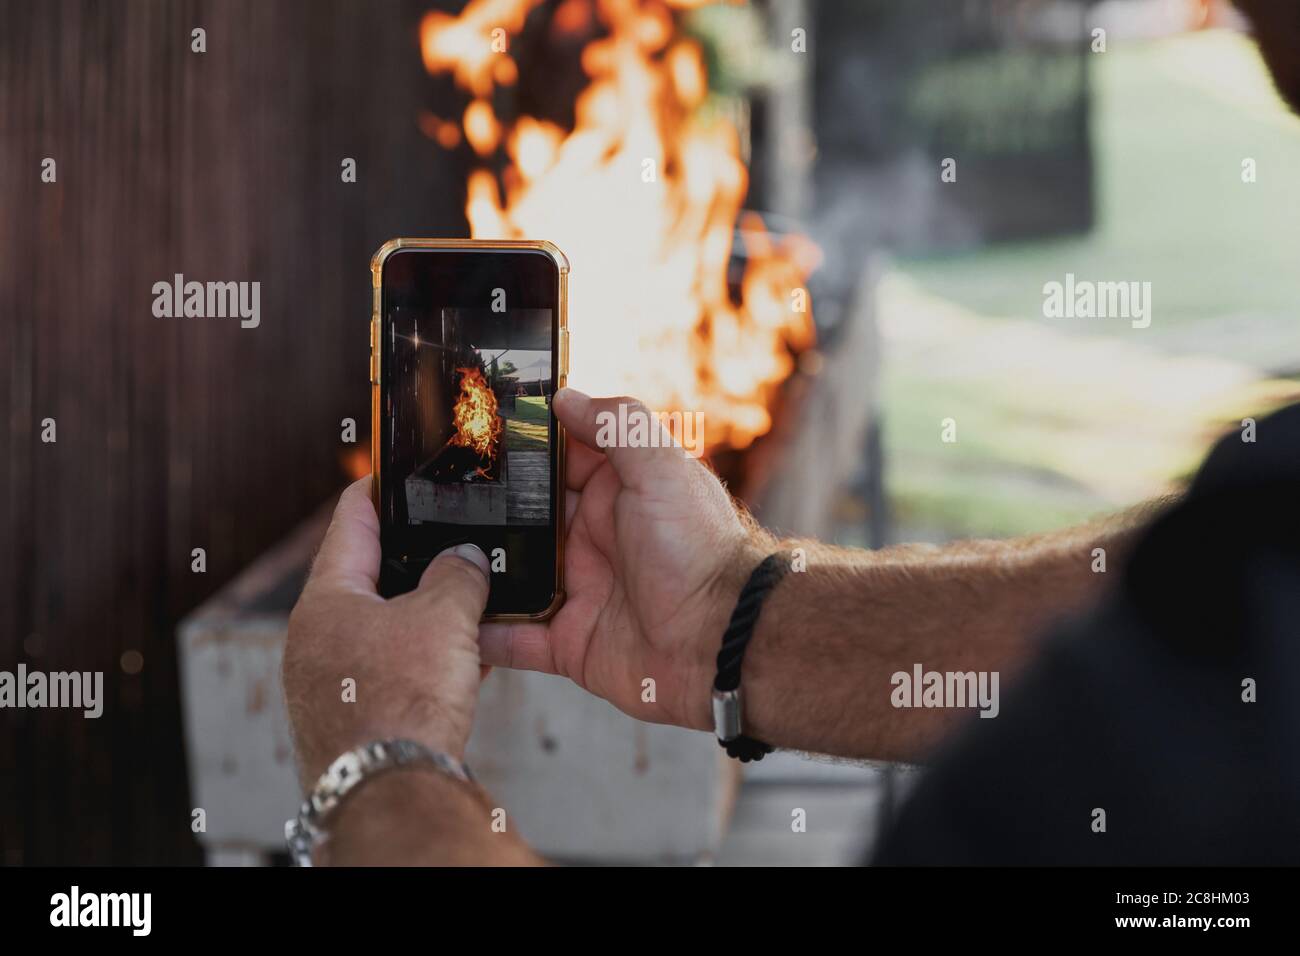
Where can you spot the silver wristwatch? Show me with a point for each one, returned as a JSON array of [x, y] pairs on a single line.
[[348, 772]]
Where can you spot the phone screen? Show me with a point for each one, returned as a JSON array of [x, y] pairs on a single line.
[[468, 349]]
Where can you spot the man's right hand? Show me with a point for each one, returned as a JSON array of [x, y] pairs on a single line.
[[655, 556]]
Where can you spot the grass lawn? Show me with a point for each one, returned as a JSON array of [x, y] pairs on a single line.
[[1172, 121], [528, 426], [1060, 419]]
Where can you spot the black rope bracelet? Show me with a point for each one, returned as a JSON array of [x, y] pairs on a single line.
[[726, 685]]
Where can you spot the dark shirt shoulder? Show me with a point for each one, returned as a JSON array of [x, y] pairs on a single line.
[[1174, 708]]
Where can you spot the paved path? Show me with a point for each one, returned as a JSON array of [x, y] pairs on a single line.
[[527, 487]]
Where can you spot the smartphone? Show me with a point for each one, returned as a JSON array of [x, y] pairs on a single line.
[[468, 345]]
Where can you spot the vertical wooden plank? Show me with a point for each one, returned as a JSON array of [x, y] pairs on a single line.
[[175, 433]]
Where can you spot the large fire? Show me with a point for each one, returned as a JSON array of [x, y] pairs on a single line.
[[478, 426], [643, 195]]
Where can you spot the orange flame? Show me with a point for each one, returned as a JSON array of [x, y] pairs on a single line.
[[478, 426], [643, 194]]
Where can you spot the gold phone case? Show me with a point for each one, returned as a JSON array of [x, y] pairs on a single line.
[[470, 245]]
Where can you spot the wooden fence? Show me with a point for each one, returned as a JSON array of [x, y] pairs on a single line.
[[176, 433]]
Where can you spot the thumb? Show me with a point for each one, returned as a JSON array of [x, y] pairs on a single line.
[[457, 581], [644, 455]]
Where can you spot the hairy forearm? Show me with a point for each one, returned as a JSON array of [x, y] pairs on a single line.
[[817, 673], [422, 818]]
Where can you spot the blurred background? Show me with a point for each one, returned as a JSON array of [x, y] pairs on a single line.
[[753, 199]]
